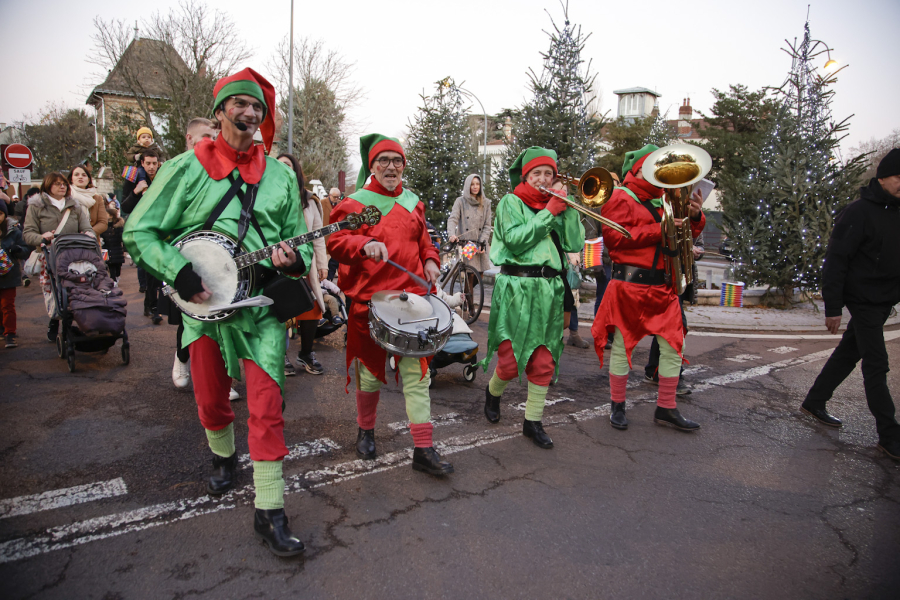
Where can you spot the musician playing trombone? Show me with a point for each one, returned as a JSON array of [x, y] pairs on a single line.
[[187, 192], [639, 300], [532, 232]]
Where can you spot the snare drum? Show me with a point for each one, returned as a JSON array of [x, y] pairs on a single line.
[[408, 324]]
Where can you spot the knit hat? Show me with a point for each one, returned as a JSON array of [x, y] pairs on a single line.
[[249, 82], [889, 165], [3, 208], [528, 160], [370, 146], [631, 158], [142, 131]]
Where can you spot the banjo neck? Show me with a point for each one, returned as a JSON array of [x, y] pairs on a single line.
[[251, 258]]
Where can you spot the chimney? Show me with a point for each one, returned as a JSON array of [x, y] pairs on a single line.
[[685, 114]]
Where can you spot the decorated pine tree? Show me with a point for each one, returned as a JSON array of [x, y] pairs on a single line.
[[661, 132], [780, 209], [439, 153], [561, 114]]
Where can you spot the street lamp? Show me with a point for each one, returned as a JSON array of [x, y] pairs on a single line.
[[447, 82], [291, 88]]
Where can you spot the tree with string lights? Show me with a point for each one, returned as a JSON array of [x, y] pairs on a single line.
[[440, 154], [780, 209]]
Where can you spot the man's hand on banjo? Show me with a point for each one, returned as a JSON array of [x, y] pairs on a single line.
[[284, 257], [201, 297]]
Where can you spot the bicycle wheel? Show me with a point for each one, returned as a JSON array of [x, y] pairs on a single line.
[[473, 292]]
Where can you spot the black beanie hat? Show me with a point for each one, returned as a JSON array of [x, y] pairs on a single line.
[[3, 208], [889, 165]]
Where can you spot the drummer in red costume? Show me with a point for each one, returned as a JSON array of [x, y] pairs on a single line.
[[638, 301], [402, 237]]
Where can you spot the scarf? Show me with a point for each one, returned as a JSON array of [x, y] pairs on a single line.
[[374, 186], [84, 197], [644, 190], [220, 160], [536, 199]]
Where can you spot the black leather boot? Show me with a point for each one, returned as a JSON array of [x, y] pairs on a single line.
[[491, 406], [821, 415], [52, 329], [429, 461], [617, 415], [670, 417], [271, 526], [535, 431], [222, 478], [365, 444]]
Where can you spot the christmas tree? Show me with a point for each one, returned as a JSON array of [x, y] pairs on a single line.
[[781, 210], [661, 133], [561, 113], [440, 154]]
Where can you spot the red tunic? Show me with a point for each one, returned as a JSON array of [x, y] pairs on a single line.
[[406, 237], [637, 310]]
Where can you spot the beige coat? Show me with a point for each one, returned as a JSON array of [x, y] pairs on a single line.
[[42, 217], [313, 216], [94, 203]]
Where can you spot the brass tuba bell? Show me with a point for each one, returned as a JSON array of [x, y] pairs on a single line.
[[676, 168]]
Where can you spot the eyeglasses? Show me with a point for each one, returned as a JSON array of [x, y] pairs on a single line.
[[241, 105], [384, 161]]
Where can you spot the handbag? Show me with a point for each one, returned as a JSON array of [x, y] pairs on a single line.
[[290, 297], [573, 278]]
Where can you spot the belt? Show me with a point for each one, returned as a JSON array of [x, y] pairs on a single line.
[[632, 274], [517, 271]]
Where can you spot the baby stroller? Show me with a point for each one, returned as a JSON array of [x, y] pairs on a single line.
[[91, 310], [335, 315]]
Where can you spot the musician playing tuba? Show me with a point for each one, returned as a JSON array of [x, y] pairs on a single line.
[[185, 194], [639, 300]]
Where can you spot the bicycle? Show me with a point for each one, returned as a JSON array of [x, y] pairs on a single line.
[[457, 276]]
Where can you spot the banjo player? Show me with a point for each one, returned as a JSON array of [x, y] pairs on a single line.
[[186, 192]]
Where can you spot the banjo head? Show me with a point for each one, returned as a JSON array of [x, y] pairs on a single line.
[[211, 257]]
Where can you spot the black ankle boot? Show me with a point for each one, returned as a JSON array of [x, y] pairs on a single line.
[[365, 443], [617, 415], [535, 431], [428, 460], [52, 329], [222, 478], [491, 406], [271, 526], [670, 417]]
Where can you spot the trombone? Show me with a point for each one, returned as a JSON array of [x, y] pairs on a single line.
[[595, 186]]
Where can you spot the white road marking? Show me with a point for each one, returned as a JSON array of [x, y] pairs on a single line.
[[402, 427], [742, 358], [82, 532], [26, 505], [888, 336], [521, 405], [783, 350], [301, 450]]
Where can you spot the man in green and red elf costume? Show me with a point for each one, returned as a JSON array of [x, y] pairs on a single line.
[[184, 194], [402, 237], [532, 232], [638, 302]]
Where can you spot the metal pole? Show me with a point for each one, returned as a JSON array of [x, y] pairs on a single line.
[[484, 158], [291, 87]]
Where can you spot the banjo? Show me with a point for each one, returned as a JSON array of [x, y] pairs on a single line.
[[225, 268]]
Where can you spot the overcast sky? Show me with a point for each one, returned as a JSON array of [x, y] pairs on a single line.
[[400, 48]]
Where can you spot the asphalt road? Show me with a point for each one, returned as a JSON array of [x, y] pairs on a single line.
[[102, 476]]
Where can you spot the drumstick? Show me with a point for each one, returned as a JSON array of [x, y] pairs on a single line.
[[412, 275]]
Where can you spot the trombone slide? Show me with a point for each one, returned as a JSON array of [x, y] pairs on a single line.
[[588, 213]]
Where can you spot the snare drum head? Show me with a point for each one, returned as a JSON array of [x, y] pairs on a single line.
[[397, 312], [216, 268]]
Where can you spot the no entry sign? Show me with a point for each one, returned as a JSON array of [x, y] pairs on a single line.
[[18, 156]]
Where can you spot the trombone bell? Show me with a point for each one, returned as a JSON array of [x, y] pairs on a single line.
[[595, 186]]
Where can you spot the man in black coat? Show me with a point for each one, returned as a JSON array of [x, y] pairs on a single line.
[[862, 272]]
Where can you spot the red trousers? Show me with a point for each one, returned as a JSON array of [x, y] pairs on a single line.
[[211, 387], [8, 309], [538, 371]]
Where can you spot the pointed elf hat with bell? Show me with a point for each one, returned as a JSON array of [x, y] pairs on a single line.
[[634, 157], [370, 146], [250, 83], [529, 159]]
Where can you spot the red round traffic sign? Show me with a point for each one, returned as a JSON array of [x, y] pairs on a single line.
[[18, 156]]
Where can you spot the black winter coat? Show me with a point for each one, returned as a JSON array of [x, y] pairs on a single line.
[[112, 242], [862, 264], [15, 247]]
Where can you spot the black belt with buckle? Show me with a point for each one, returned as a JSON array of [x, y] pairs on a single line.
[[632, 274], [517, 271]]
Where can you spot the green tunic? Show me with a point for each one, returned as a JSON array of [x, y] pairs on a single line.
[[179, 202], [528, 311]]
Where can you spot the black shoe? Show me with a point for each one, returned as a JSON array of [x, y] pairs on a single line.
[[652, 379], [670, 417], [26, 282], [535, 431], [365, 444], [821, 415], [156, 319], [309, 362], [222, 478], [271, 526], [52, 329], [683, 389], [617, 415], [491, 406], [429, 461], [142, 290], [11, 341], [289, 370], [891, 448], [147, 312]]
